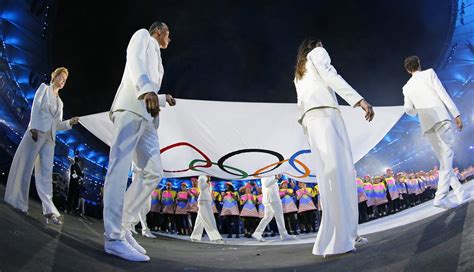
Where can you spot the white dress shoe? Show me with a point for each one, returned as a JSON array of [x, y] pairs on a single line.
[[361, 240], [133, 242], [124, 250]]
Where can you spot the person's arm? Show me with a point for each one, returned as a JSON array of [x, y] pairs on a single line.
[[137, 64], [408, 105], [444, 96], [321, 60], [35, 109]]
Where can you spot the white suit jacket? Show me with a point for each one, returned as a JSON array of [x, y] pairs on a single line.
[[270, 190], [44, 117], [321, 82], [426, 96], [143, 74], [204, 189]]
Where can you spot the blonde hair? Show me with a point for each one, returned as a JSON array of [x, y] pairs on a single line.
[[57, 72]]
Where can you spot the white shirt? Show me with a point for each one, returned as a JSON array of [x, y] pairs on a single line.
[[143, 74], [320, 83], [425, 95]]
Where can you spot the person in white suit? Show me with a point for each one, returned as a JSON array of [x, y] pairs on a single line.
[[146, 232], [134, 113], [425, 95], [36, 149], [273, 208], [205, 217], [317, 83]]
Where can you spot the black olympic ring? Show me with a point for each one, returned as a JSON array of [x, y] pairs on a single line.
[[221, 161]]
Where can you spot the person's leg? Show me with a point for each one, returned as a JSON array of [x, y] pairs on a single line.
[[228, 225], [236, 224], [446, 144], [71, 195], [128, 130], [292, 218], [331, 150], [280, 221], [312, 220], [208, 221], [19, 177], [198, 227], [441, 139], [44, 176], [267, 217], [193, 218], [287, 221]]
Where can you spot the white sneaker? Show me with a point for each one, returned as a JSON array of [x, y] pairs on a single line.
[[124, 250], [133, 242], [258, 237], [148, 234], [444, 203], [361, 240], [218, 241], [287, 237]]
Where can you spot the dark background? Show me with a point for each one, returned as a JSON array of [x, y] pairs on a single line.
[[246, 50]]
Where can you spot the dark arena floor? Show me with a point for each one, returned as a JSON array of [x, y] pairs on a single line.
[[444, 242]]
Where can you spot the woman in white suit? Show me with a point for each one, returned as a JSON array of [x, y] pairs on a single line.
[[205, 217], [317, 83], [36, 149]]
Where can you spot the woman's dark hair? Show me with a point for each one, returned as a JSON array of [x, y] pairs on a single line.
[[306, 46]]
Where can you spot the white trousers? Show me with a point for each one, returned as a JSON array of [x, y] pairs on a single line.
[[272, 209], [331, 149], [142, 214], [40, 156], [205, 220], [442, 140], [135, 139]]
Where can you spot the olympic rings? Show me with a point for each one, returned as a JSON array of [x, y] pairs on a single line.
[[239, 173], [221, 161], [192, 167], [207, 160]]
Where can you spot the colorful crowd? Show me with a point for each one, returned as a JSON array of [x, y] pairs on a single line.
[[238, 210]]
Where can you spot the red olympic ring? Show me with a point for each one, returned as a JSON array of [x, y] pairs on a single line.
[[205, 157]]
